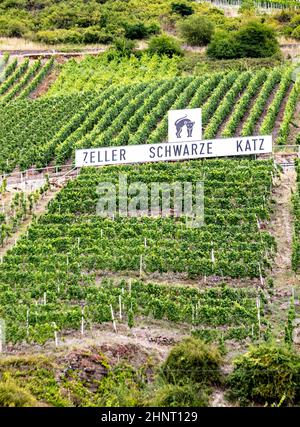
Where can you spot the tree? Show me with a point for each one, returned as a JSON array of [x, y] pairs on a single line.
[[266, 374], [196, 30], [253, 40], [256, 40], [138, 30], [296, 33], [121, 48], [247, 6], [182, 9], [193, 360], [222, 46], [164, 45]]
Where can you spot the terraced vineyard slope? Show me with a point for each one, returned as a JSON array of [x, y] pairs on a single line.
[[53, 127], [53, 270], [18, 79]]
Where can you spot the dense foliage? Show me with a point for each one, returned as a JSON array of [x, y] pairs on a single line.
[[34, 132], [266, 374], [18, 80], [70, 21], [253, 40], [52, 270], [193, 360], [96, 73], [197, 30], [164, 45], [102, 21]]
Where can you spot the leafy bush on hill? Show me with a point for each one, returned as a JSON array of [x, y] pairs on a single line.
[[60, 36], [11, 395], [187, 395], [196, 30], [164, 45], [296, 33], [182, 9], [222, 46], [138, 30], [253, 40], [266, 374], [193, 360], [14, 23]]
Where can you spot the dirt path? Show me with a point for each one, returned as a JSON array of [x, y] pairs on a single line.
[[45, 84], [217, 399], [157, 336], [285, 281], [48, 53], [281, 224]]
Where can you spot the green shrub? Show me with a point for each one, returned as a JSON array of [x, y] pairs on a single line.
[[256, 40], [296, 33], [197, 30], [60, 36], [266, 374], [121, 48], [182, 9], [284, 16], [11, 395], [121, 387], [253, 40], [215, 13], [12, 27], [295, 21], [192, 360], [94, 35], [223, 46], [138, 30], [135, 31], [164, 45], [247, 6], [171, 395]]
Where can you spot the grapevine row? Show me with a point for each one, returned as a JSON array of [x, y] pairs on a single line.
[[259, 105]]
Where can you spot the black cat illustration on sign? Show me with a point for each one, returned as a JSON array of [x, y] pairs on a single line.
[[180, 123]]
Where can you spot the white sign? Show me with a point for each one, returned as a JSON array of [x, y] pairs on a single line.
[[185, 125], [238, 146]]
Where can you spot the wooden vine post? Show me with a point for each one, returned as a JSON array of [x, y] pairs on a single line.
[[82, 321], [258, 314], [113, 318]]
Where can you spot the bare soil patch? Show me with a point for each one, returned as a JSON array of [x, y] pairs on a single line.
[[44, 86], [281, 224]]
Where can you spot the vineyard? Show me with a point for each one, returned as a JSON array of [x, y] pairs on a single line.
[[54, 126], [18, 79], [72, 307], [53, 269], [172, 283], [17, 206], [96, 73]]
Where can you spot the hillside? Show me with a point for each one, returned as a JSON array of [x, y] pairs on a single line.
[[160, 284]]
